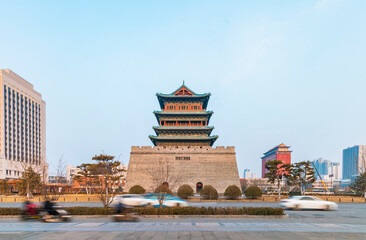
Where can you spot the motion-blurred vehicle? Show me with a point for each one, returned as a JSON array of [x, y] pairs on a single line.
[[123, 212], [30, 212], [152, 199], [61, 216], [131, 200], [307, 202]]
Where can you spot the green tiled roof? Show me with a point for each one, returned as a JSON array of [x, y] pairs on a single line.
[[211, 139], [183, 128], [184, 137], [174, 113], [184, 112], [191, 129], [164, 97]]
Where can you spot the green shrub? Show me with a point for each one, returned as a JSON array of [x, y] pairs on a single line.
[[232, 192], [9, 211], [253, 192], [89, 210], [137, 189], [185, 191], [210, 211], [163, 189], [166, 211], [209, 192]]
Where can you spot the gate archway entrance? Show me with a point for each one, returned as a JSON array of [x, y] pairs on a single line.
[[199, 187]]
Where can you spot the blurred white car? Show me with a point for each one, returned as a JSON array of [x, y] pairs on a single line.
[[132, 200], [307, 202], [152, 199]]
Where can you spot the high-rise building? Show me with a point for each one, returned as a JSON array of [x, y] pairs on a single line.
[[354, 161], [247, 174], [327, 169], [22, 127], [335, 170], [279, 152]]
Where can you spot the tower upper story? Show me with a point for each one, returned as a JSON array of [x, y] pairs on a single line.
[[183, 119]]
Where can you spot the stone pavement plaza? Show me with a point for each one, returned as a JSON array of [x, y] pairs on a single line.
[[180, 229], [209, 235]]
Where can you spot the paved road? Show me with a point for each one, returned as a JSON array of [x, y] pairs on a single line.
[[351, 213], [349, 222]]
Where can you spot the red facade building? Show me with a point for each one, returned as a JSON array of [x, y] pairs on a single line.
[[279, 152]]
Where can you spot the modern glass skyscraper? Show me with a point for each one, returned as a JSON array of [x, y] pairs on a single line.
[[22, 126], [354, 161], [327, 169]]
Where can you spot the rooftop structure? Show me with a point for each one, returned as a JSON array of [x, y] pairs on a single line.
[[280, 152], [183, 119]]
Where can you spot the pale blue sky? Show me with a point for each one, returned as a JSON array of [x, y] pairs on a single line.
[[278, 71]]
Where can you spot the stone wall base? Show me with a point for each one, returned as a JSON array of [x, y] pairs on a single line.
[[183, 165]]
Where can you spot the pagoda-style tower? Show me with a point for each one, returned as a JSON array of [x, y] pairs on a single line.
[[183, 119]]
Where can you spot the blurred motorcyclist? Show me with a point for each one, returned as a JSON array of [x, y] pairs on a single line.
[[120, 208], [49, 207]]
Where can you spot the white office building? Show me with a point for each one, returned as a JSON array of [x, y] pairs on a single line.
[[22, 127]]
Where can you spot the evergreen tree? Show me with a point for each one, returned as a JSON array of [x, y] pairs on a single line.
[[277, 171]]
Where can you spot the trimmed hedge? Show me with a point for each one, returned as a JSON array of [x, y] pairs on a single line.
[[89, 210], [211, 211], [137, 189], [185, 191], [163, 189], [10, 211], [232, 192], [253, 192], [166, 211], [209, 192]]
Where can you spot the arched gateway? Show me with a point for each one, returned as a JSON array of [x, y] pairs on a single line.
[[199, 187]]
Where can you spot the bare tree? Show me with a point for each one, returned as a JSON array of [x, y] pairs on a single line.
[[60, 179], [164, 178]]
